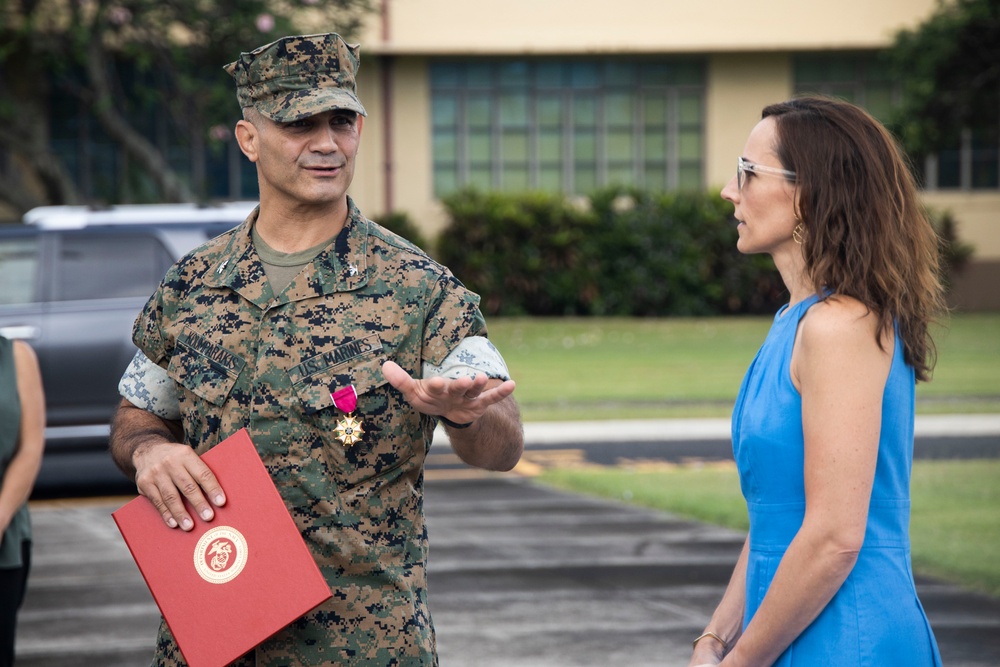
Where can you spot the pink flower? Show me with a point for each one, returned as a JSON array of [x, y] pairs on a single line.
[[265, 23], [220, 133], [119, 15]]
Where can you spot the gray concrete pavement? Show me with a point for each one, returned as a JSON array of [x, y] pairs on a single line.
[[519, 574]]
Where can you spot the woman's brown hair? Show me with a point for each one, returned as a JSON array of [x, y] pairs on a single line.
[[866, 234]]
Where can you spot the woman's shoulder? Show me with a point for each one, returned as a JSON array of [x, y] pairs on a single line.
[[838, 320]]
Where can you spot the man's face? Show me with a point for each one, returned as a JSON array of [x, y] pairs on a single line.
[[308, 162]]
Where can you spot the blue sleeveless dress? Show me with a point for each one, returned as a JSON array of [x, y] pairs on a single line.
[[875, 619]]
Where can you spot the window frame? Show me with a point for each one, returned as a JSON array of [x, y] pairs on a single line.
[[566, 84]]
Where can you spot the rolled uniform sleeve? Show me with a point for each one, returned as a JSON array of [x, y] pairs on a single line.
[[454, 316], [474, 355], [147, 386], [146, 332]]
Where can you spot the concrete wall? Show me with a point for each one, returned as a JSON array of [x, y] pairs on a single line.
[[635, 26], [739, 86]]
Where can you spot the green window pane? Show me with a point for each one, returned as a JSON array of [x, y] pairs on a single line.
[[514, 146], [844, 92], [654, 146], [514, 74], [550, 178], [514, 109], [445, 145], [841, 70], [444, 110], [809, 70], [879, 100], [689, 145], [620, 73], [515, 179], [949, 168], [550, 74], [689, 109], [618, 109], [877, 69], [479, 146], [584, 75], [550, 146], [655, 74], [478, 110], [584, 111], [984, 158], [620, 145], [585, 146], [445, 181], [481, 177], [621, 174], [549, 111], [446, 75], [654, 111], [503, 122], [478, 75], [584, 179], [689, 74], [689, 177], [655, 177]]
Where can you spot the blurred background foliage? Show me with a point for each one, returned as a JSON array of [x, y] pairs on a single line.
[[619, 252]]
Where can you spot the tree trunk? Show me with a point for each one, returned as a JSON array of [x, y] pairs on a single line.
[[139, 149], [34, 176]]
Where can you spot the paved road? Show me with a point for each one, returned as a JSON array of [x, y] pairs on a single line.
[[519, 575]]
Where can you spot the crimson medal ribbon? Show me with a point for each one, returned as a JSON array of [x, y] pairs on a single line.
[[348, 429]]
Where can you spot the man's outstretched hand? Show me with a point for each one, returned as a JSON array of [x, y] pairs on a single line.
[[462, 400]]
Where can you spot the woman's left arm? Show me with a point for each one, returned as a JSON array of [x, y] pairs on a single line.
[[23, 468], [840, 372]]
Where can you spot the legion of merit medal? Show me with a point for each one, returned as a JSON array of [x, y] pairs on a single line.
[[348, 429]]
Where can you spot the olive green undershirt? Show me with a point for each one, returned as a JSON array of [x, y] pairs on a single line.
[[281, 267]]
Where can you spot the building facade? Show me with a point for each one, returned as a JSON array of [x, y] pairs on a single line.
[[568, 95]]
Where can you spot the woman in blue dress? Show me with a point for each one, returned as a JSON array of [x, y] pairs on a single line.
[[823, 425]]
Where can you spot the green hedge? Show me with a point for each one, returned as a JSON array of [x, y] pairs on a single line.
[[400, 223], [618, 252]]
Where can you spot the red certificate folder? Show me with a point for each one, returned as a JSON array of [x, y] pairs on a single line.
[[234, 581]]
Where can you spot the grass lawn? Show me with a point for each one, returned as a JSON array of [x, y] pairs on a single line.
[[955, 521], [607, 368], [604, 368]]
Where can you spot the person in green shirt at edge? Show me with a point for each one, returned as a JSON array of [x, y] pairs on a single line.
[[22, 442]]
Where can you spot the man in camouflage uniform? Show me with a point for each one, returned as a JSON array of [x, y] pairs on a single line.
[[262, 326]]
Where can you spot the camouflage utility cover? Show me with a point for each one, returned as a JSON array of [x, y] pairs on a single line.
[[296, 77], [246, 357]]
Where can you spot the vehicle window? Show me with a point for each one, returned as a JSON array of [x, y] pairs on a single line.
[[18, 270], [102, 266]]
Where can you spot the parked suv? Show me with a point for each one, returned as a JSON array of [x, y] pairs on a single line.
[[72, 280]]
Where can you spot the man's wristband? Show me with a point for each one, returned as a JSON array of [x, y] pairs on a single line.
[[448, 422]]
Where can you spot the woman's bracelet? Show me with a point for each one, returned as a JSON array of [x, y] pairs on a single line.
[[725, 647]]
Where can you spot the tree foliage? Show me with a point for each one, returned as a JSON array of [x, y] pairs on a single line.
[[618, 252], [950, 68], [120, 58]]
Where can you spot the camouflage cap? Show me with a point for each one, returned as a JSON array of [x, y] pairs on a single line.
[[296, 77]]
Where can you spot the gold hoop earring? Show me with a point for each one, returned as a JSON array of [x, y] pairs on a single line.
[[797, 233]]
